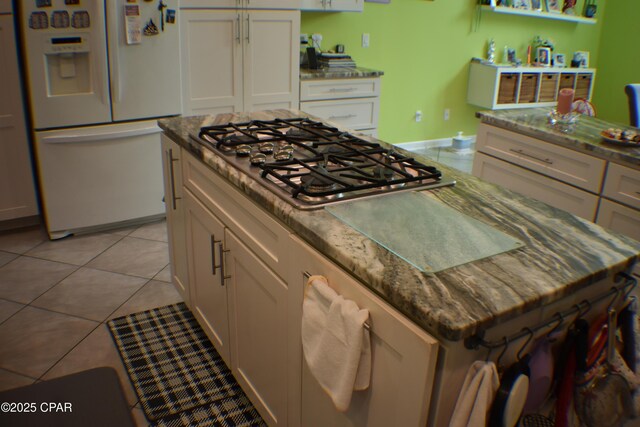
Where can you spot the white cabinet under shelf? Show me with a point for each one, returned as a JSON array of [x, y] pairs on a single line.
[[350, 102], [498, 87], [239, 60]]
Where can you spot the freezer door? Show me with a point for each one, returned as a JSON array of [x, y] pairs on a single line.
[[99, 175], [66, 63], [144, 69]]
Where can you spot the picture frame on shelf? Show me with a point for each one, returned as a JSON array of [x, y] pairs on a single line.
[[554, 6], [536, 5], [580, 59], [559, 60], [543, 56], [521, 4]]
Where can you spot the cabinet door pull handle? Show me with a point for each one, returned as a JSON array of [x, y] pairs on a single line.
[[170, 160], [248, 30], [519, 151], [346, 89], [214, 267], [347, 116], [223, 276], [238, 28]]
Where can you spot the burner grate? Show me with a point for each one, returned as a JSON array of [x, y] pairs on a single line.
[[325, 165]]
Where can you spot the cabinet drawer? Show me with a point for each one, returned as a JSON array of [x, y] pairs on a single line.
[[315, 90], [619, 218], [263, 234], [534, 185], [352, 113], [574, 168], [622, 184]]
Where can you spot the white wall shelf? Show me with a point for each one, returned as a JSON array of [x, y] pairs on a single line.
[[539, 14]]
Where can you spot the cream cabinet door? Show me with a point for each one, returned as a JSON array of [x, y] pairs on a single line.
[[258, 308], [403, 357], [211, 69], [205, 234], [620, 218], [271, 59], [540, 187], [17, 188], [174, 205]]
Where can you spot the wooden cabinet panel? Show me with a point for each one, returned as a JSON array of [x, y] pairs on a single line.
[[359, 113], [534, 185], [174, 205], [268, 239], [211, 52], [315, 90], [569, 166], [271, 59], [403, 360], [258, 301], [623, 185], [239, 59], [205, 235], [619, 218]]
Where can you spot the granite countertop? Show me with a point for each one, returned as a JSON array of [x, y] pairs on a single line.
[[340, 73], [584, 136], [561, 255]]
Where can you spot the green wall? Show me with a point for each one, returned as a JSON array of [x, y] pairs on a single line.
[[424, 48], [618, 59]]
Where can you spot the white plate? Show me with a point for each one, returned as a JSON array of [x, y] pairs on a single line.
[[620, 142]]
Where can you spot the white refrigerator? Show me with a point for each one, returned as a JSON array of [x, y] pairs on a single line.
[[99, 75]]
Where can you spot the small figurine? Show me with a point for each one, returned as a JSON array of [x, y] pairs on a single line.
[[150, 29], [491, 51], [569, 6]]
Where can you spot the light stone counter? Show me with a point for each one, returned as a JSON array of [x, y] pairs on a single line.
[[561, 255], [584, 136], [340, 73]]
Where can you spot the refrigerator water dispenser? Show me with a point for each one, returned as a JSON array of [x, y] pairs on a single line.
[[67, 66]]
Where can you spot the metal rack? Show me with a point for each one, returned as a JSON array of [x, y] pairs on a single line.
[[629, 283]]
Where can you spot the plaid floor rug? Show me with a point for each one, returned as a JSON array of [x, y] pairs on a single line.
[[178, 375]]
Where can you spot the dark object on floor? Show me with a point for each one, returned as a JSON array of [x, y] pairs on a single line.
[[178, 375], [89, 398]]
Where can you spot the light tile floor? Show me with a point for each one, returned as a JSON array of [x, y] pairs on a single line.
[[56, 297]]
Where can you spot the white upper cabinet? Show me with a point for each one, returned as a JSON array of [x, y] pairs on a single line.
[[239, 60], [331, 5]]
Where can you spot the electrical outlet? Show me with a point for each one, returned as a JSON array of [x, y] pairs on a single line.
[[418, 116], [365, 39], [447, 113]]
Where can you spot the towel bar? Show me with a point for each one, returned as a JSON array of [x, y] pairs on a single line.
[[307, 276]]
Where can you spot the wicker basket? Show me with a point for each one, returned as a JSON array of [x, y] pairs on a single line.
[[528, 88], [507, 90], [548, 87], [567, 80], [582, 86]]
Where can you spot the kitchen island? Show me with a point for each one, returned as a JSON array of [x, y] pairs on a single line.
[[563, 258], [571, 167]]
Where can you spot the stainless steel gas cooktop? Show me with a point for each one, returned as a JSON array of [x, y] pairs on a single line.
[[311, 164]]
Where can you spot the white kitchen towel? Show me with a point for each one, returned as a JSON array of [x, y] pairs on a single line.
[[336, 345], [476, 396]]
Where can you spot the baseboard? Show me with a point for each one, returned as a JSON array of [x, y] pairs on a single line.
[[19, 223]]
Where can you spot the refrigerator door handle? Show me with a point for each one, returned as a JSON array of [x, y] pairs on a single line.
[[78, 138], [114, 53]]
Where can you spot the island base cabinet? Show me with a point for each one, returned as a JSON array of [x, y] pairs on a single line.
[[403, 359], [209, 305], [174, 206], [540, 187], [258, 301]]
